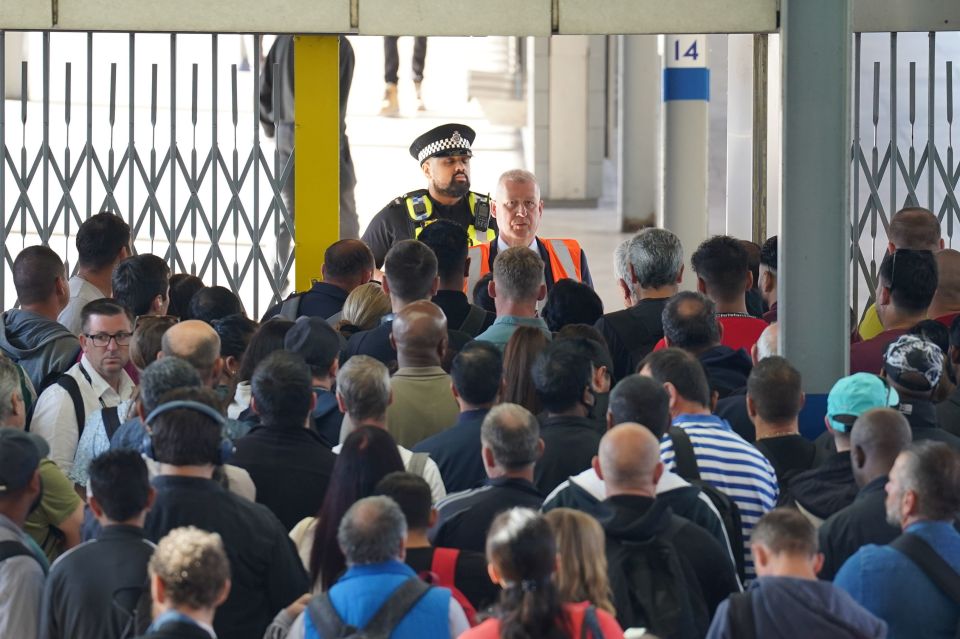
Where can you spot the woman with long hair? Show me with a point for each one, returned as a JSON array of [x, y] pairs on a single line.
[[363, 309], [368, 455], [582, 575], [518, 355], [522, 556]]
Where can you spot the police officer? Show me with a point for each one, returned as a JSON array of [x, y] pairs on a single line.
[[444, 155]]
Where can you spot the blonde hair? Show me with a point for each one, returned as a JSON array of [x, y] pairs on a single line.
[[365, 305], [582, 575], [192, 565]]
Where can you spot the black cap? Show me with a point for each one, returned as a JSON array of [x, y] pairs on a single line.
[[20, 455], [315, 340], [446, 139]]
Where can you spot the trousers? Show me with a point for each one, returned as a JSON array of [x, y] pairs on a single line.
[[391, 59]]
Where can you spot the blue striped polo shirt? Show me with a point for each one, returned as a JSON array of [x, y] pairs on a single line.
[[727, 462]]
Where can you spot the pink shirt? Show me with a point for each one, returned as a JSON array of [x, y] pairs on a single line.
[[490, 629]]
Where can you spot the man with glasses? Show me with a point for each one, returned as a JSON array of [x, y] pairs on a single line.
[[96, 381], [518, 210]]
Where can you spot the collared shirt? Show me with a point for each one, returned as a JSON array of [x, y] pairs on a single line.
[[94, 441], [890, 585], [172, 618], [82, 292], [21, 586], [423, 404], [503, 246], [504, 326], [54, 418], [732, 466]]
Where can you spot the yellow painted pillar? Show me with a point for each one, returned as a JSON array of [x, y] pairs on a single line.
[[316, 152]]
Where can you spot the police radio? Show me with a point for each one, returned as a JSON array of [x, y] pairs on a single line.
[[481, 214]]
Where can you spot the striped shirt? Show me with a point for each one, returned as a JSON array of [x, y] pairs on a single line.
[[731, 465]]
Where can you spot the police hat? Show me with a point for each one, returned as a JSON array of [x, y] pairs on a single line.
[[446, 139]]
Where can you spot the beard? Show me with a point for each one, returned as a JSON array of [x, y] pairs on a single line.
[[454, 188], [893, 513]]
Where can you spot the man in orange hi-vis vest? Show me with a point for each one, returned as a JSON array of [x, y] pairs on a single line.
[[518, 210]]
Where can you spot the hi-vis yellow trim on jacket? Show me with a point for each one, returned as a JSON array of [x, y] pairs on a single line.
[[564, 261], [420, 210]]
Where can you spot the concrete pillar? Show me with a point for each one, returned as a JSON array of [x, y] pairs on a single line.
[[13, 55], [686, 95], [638, 122], [814, 250], [739, 135]]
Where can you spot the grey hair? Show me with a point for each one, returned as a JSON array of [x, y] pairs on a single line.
[[364, 384], [656, 256], [621, 262], [513, 435], [9, 386], [767, 342], [518, 274], [372, 531], [521, 176], [164, 375]]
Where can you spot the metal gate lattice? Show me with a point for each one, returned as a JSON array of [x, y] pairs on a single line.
[[206, 197], [912, 163]]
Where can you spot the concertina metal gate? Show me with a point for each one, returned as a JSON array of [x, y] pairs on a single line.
[[903, 146], [199, 186]]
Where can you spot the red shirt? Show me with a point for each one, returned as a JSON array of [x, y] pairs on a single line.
[[947, 320], [490, 629], [739, 331], [867, 356]]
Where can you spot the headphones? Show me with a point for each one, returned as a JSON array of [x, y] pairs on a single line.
[[224, 451]]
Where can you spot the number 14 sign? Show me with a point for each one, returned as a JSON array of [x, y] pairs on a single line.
[[686, 51]]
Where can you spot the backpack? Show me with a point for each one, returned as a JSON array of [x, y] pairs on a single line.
[[590, 629], [418, 463], [660, 598], [111, 414], [740, 616], [290, 309], [686, 467], [932, 565], [443, 569], [138, 609], [330, 626]]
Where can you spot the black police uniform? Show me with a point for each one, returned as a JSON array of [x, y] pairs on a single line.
[[405, 216]]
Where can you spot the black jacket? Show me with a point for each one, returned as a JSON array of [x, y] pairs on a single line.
[[727, 369], [90, 586], [466, 516], [635, 519], [178, 630], [632, 333], [789, 455], [265, 570], [862, 522], [376, 344], [291, 468], [570, 444], [824, 490], [456, 307], [924, 425], [456, 451], [948, 413], [733, 408], [322, 300]]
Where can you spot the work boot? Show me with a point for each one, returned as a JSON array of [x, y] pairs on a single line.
[[420, 105], [390, 106]]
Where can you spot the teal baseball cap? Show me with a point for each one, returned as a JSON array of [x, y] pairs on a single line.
[[854, 395]]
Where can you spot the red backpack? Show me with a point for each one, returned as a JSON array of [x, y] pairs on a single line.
[[443, 568]]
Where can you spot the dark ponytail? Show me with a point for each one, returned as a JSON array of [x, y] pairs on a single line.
[[522, 547]]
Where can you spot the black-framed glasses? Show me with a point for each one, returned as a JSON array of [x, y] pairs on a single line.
[[102, 340]]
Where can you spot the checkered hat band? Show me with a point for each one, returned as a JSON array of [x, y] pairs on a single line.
[[443, 145]]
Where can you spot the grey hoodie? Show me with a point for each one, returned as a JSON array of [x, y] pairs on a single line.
[[40, 345]]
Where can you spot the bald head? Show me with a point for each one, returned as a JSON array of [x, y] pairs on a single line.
[[629, 460], [947, 298], [348, 264], [877, 437], [197, 343], [915, 228], [419, 333], [766, 345]]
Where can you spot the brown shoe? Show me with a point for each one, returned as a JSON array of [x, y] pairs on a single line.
[[420, 105], [390, 106]]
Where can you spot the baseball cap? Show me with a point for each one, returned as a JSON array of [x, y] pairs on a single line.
[[20, 455], [914, 363], [315, 340], [854, 395]]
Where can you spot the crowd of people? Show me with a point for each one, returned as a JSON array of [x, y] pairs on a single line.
[[385, 454]]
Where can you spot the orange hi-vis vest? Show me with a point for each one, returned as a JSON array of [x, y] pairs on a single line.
[[564, 257]]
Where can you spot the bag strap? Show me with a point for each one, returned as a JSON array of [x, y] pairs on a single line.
[[69, 384], [590, 628], [325, 617], [473, 322], [111, 420], [418, 462], [395, 608], [290, 307], [683, 455], [444, 565], [13, 548], [740, 615], [931, 563]]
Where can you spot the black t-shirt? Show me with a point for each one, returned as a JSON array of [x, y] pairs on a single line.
[[570, 444], [393, 222], [470, 575], [789, 455]]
